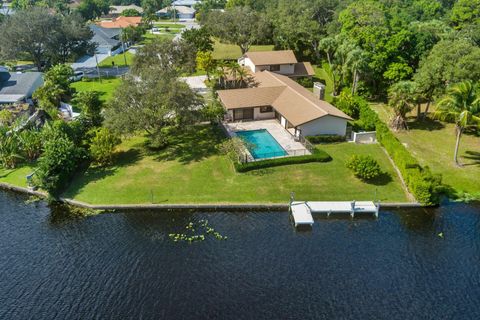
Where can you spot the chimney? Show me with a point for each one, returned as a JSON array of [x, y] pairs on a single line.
[[319, 90]]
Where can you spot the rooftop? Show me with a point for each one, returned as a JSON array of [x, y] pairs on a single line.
[[105, 36], [120, 22], [289, 98], [262, 58], [17, 86], [178, 9]]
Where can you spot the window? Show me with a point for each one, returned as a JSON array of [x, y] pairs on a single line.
[[275, 67], [266, 109]]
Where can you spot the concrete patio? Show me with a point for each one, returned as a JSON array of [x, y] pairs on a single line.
[[283, 137]]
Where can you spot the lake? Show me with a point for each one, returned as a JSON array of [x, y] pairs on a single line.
[[407, 264]]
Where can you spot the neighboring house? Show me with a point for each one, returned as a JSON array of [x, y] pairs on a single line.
[[18, 87], [120, 22], [283, 62], [276, 96], [106, 39], [181, 12], [186, 3], [116, 11]]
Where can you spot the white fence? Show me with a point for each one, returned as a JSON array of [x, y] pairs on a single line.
[[364, 137]]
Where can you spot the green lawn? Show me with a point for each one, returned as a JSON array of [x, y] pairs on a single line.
[[118, 59], [433, 144], [193, 171], [148, 37], [230, 51], [169, 25], [16, 176], [106, 86]]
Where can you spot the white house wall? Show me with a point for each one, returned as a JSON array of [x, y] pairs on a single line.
[[324, 125], [249, 64]]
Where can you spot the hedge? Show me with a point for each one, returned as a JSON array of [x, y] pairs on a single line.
[[425, 186], [317, 156], [325, 138]]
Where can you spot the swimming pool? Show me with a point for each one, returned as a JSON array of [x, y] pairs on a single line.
[[261, 144]]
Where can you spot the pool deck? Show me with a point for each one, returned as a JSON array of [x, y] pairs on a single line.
[[283, 137]]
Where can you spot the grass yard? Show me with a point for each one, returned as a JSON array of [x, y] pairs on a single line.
[[106, 87], [192, 170], [148, 37], [16, 177], [118, 59], [433, 144], [223, 51], [169, 25]]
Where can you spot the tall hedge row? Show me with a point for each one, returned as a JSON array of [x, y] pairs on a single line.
[[425, 186]]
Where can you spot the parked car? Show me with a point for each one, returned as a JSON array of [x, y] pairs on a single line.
[[77, 76]]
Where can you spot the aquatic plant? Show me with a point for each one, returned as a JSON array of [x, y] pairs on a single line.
[[196, 232]]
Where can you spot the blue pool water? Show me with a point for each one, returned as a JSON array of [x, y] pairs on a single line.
[[261, 144]]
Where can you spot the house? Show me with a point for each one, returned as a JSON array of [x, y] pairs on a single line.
[[18, 87], [277, 96], [186, 3], [116, 11], [121, 22], [282, 62], [181, 12], [106, 39]]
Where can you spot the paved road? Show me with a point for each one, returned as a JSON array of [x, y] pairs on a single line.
[[104, 72]]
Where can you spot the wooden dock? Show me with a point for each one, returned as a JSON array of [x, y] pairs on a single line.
[[302, 210]]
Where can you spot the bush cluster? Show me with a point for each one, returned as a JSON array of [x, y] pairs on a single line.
[[317, 156], [325, 138], [364, 167]]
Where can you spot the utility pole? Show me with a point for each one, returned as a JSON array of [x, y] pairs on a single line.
[[98, 68]]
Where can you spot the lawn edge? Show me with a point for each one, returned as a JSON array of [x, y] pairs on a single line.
[[181, 206]]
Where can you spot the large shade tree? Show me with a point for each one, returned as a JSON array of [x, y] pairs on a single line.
[[45, 38], [239, 25], [460, 105]]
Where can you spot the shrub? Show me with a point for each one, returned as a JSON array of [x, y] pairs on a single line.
[[317, 156], [325, 138], [58, 162], [103, 146], [305, 82], [364, 167], [31, 141], [348, 103], [9, 149]]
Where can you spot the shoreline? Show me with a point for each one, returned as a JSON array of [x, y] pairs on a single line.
[[182, 206]]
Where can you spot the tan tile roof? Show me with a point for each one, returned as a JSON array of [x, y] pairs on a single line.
[[262, 58], [121, 22], [249, 97], [290, 99]]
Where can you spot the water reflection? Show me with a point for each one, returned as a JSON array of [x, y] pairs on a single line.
[[58, 264]]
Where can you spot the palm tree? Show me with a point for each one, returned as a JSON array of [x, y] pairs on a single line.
[[357, 62], [242, 75], [461, 105], [401, 97]]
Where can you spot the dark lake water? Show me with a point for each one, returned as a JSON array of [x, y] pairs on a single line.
[[124, 266]]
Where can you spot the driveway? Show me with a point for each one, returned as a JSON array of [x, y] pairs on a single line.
[[197, 83], [86, 62]]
